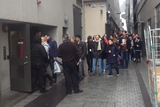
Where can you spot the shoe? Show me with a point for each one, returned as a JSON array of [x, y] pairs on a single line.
[[109, 75], [79, 91], [68, 92], [104, 71], [51, 83], [44, 91], [100, 74], [92, 74], [118, 75], [121, 69]]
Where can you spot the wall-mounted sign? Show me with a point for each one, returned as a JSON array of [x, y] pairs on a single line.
[[93, 5], [5, 28], [102, 5]]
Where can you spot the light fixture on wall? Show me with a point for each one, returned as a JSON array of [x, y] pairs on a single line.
[[38, 2], [66, 19], [101, 11]]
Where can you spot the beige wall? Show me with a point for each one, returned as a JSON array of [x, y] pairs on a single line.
[[49, 12], [94, 19]]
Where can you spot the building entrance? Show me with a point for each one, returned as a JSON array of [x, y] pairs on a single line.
[[20, 66]]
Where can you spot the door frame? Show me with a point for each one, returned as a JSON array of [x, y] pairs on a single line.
[[27, 75]]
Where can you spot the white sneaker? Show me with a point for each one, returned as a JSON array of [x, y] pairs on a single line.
[[118, 75], [109, 75], [104, 71]]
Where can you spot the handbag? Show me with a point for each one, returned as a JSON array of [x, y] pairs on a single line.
[[56, 68], [118, 57]]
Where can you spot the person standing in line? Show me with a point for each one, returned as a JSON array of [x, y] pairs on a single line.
[[112, 52], [37, 34], [52, 54], [138, 49], [46, 46], [89, 55], [125, 45], [131, 49], [97, 49], [38, 64], [104, 55], [70, 58], [134, 51], [82, 53]]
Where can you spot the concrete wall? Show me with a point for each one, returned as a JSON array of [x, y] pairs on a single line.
[[50, 13], [94, 19], [4, 64], [148, 11]]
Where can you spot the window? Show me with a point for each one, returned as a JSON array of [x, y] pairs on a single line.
[[158, 16], [150, 23], [79, 1]]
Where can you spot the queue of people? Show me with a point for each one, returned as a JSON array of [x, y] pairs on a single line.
[[98, 51]]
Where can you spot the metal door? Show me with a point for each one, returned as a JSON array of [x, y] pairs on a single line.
[[77, 20], [20, 66]]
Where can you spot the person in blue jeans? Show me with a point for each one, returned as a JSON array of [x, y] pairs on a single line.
[[112, 52], [97, 49], [52, 55], [125, 45]]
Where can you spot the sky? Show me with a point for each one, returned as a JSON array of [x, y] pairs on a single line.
[[122, 7]]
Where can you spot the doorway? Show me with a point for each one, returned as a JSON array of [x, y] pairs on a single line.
[[20, 66]]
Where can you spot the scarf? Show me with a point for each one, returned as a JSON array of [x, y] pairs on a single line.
[[90, 43], [65, 41], [99, 44]]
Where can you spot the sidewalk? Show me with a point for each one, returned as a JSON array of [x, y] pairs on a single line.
[[102, 91]]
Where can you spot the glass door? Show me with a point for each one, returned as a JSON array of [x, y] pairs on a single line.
[[20, 66]]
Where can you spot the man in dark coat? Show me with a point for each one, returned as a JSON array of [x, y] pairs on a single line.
[[82, 53], [70, 58], [97, 50], [52, 54], [38, 64], [112, 53], [125, 45]]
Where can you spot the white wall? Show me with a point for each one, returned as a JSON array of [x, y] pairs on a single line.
[[4, 64], [94, 19]]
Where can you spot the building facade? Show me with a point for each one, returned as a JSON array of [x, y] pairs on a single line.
[[101, 16], [18, 21], [146, 12], [129, 16]]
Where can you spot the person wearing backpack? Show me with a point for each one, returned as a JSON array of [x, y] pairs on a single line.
[[112, 52]]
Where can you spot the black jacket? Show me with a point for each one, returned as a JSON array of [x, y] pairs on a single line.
[[81, 49], [104, 54], [68, 52], [139, 42], [114, 50], [97, 53], [38, 53]]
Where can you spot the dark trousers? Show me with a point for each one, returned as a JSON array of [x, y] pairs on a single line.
[[47, 75], [70, 73], [89, 61], [110, 68], [38, 74], [138, 55], [54, 75]]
